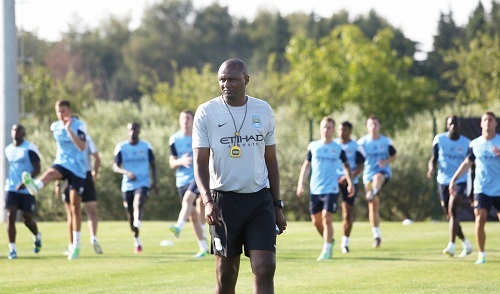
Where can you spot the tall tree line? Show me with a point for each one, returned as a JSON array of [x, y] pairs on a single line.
[[116, 63]]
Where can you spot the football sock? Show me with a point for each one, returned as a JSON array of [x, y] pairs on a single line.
[[376, 232], [39, 184], [180, 224], [203, 244], [12, 246], [345, 241], [76, 239]]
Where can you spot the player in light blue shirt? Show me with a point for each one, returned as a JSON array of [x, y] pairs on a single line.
[[70, 164], [135, 159], [22, 156], [449, 151], [484, 151], [379, 152], [181, 158], [356, 161], [324, 158]]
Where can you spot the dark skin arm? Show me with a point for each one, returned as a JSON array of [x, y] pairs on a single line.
[[36, 172], [152, 165], [274, 182], [202, 175]]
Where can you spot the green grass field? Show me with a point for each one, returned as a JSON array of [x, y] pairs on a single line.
[[409, 261]]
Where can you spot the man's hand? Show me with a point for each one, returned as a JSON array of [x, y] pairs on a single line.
[[280, 220], [212, 214], [130, 175]]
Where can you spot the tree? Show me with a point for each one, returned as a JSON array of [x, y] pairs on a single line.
[[213, 31], [102, 52], [476, 24], [493, 25], [161, 44], [42, 91], [269, 34], [449, 37], [347, 67], [189, 89], [478, 68]]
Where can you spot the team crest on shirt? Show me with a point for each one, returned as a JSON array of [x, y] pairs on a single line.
[[256, 122]]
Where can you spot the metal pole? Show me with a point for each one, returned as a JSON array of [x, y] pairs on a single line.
[[8, 86]]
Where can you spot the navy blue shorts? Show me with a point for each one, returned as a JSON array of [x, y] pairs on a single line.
[[444, 193], [89, 193], [321, 202], [386, 175], [189, 187], [129, 196], [486, 202], [343, 190], [24, 202], [247, 220], [74, 182]]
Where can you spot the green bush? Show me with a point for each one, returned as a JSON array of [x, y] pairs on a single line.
[[409, 194]]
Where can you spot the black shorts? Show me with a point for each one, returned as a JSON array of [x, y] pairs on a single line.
[[486, 202], [444, 193], [128, 197], [89, 193], [343, 190], [74, 182], [189, 187], [24, 202], [247, 220], [322, 202]]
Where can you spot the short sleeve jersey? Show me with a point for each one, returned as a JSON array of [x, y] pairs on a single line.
[[181, 144], [354, 156], [68, 155], [21, 159], [375, 150], [326, 159], [481, 151], [214, 128], [135, 158], [450, 155]]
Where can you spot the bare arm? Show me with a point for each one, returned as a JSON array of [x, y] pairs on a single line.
[[36, 169], [358, 170], [97, 165], [118, 169], [201, 173], [349, 177], [304, 174], [202, 177], [79, 143], [431, 165], [274, 183], [389, 160], [462, 169], [175, 162], [152, 166]]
